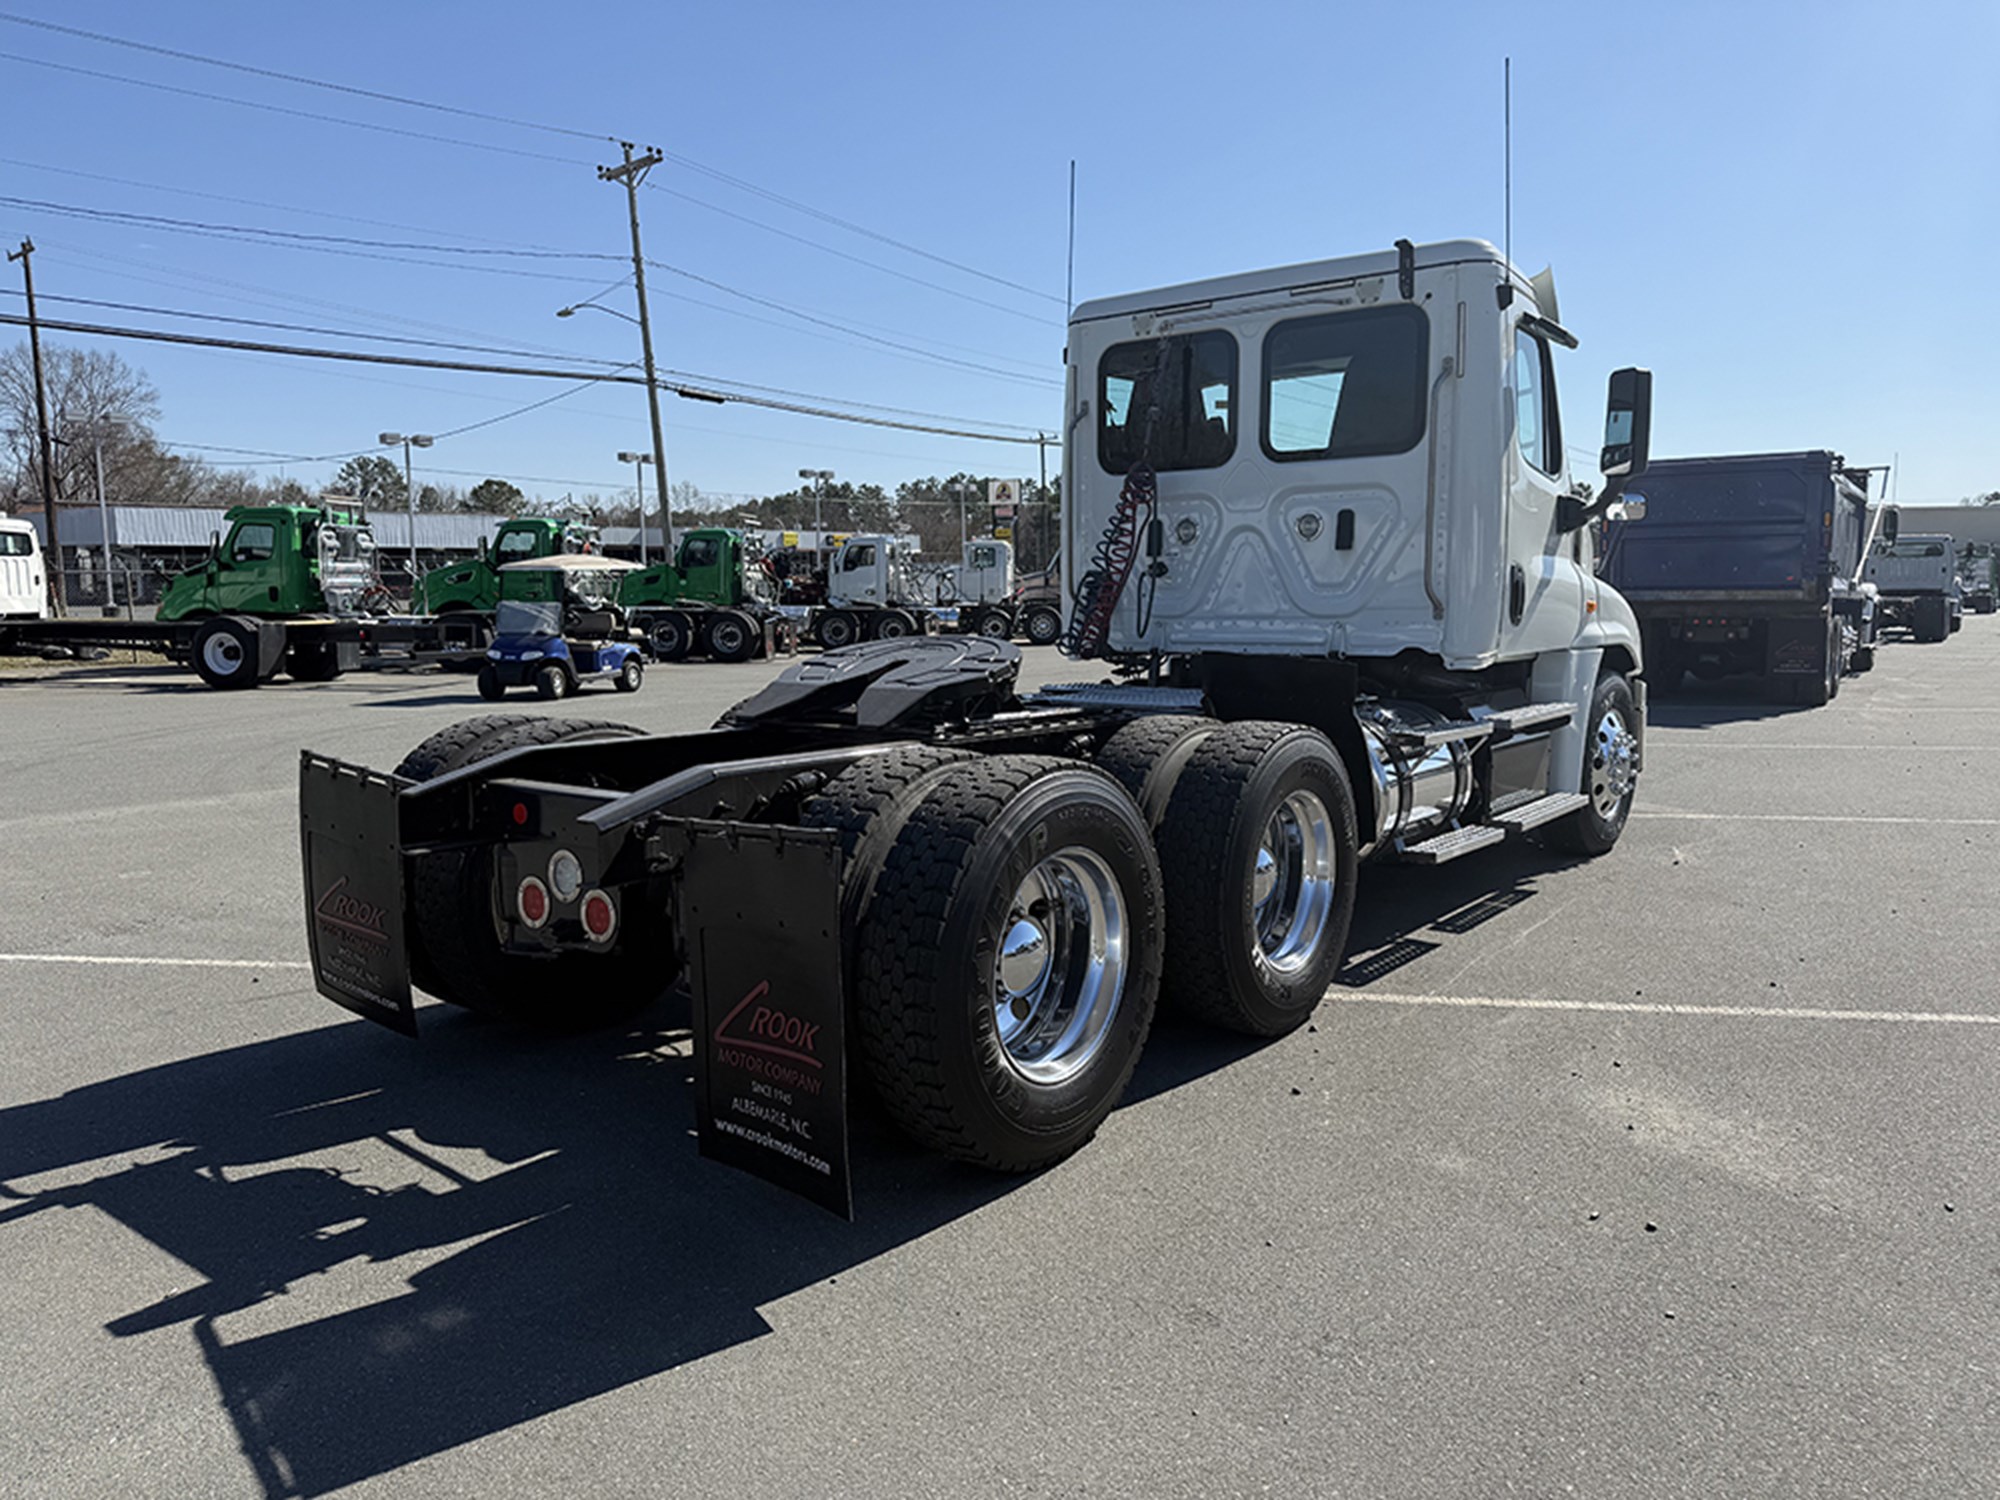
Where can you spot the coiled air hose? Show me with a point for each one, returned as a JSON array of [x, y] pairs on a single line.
[[1103, 585]]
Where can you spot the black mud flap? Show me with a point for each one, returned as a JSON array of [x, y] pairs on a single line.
[[354, 890], [760, 907]]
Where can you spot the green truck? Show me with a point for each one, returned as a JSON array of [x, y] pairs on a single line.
[[475, 583], [291, 589], [716, 599]]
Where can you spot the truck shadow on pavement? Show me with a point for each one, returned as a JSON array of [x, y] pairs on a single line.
[[400, 1249]]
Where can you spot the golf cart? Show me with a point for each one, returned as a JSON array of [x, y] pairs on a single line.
[[558, 626]]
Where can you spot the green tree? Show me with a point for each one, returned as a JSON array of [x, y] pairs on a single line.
[[372, 479], [496, 497]]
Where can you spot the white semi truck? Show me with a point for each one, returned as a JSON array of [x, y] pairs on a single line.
[[24, 585], [1325, 541], [872, 593]]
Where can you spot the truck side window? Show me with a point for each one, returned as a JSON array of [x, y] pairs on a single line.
[[1536, 426], [516, 546], [985, 557], [1168, 402], [1346, 385], [858, 557], [700, 552], [16, 544], [253, 543]]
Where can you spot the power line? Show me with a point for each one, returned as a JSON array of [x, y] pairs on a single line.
[[348, 333], [435, 106], [371, 357], [364, 248], [317, 83], [297, 114]]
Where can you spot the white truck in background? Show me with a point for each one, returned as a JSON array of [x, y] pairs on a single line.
[[872, 593], [24, 583]]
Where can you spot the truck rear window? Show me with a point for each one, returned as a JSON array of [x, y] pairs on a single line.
[[1346, 385], [1168, 402], [16, 544]]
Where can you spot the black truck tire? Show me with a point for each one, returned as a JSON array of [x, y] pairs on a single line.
[[1260, 851], [996, 621], [865, 805], [1147, 756], [837, 628], [491, 688], [1607, 763], [1041, 624], [552, 681], [454, 944], [1862, 658], [730, 635], [1008, 972], [892, 625], [672, 636], [225, 652]]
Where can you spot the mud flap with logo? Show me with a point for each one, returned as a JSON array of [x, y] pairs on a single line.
[[760, 911], [354, 890]]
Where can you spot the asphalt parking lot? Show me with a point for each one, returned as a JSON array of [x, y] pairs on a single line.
[[1674, 1173]]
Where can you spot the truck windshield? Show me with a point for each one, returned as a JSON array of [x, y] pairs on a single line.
[[1168, 402]]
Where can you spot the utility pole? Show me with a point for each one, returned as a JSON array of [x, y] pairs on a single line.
[[58, 590], [632, 173]]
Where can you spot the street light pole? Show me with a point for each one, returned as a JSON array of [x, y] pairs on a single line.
[[632, 173], [421, 440], [107, 605], [819, 477], [638, 461]]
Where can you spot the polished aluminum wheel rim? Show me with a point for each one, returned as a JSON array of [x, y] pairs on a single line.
[[1060, 974], [223, 653], [1614, 763], [1292, 884]]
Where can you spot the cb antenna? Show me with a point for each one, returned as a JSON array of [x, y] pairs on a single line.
[[1507, 176]]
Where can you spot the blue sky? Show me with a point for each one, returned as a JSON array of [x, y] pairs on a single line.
[[1786, 210]]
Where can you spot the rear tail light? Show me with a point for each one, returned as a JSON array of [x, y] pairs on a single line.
[[600, 917], [531, 901]]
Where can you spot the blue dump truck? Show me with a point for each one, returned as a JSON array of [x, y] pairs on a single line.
[[1749, 565]]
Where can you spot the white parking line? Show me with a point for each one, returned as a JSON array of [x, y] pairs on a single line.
[[1701, 817], [1661, 1008], [110, 961]]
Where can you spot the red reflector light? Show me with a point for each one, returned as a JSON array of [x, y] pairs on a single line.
[[521, 814], [600, 917], [531, 900]]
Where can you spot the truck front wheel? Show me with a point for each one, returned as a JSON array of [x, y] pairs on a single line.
[[225, 652], [1610, 773], [1259, 849], [1042, 624], [1006, 977]]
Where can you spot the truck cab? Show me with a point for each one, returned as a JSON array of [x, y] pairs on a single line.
[[1916, 576], [281, 561], [24, 584], [719, 598], [475, 584]]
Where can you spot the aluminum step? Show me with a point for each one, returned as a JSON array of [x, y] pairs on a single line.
[[1443, 734], [1541, 810], [1533, 716], [1449, 846]]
